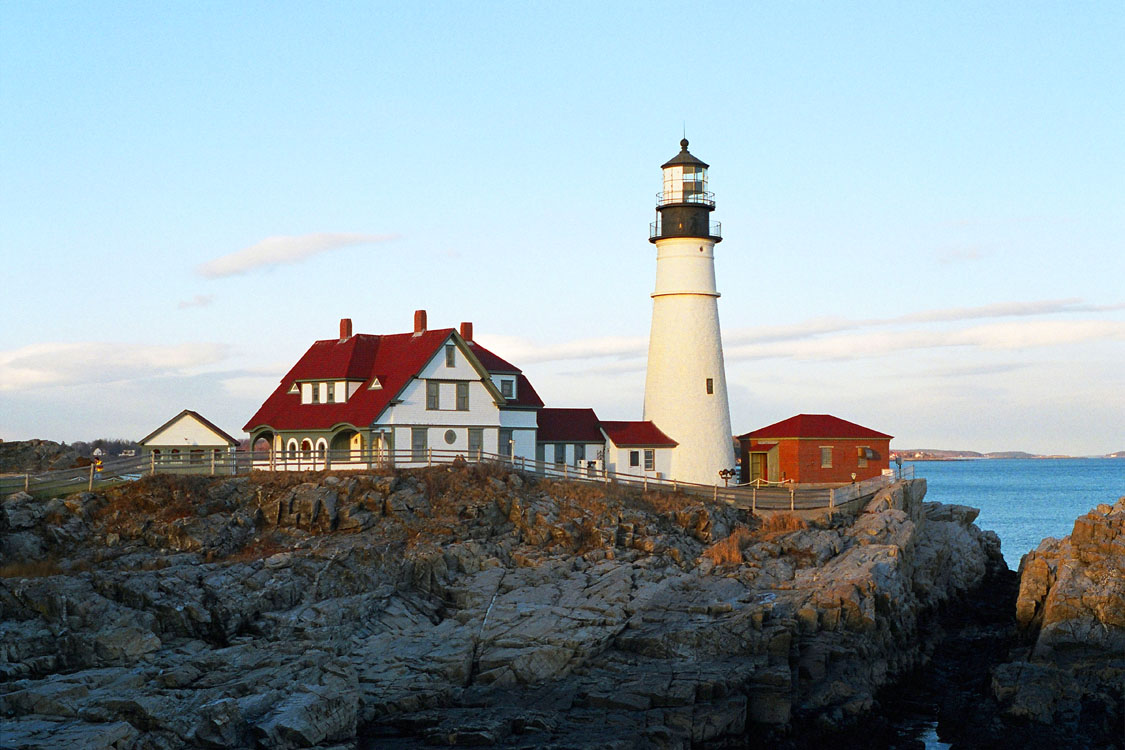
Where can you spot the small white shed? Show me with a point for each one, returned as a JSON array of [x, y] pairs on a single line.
[[190, 443]]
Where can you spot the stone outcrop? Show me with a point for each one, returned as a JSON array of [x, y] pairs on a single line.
[[34, 456], [1068, 680], [457, 606]]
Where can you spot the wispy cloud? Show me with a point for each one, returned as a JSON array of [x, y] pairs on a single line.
[[56, 364], [959, 255], [846, 338], [278, 251], [1008, 335], [525, 350], [199, 300]]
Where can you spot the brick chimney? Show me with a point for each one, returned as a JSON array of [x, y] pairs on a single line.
[[467, 331], [419, 322], [345, 328]]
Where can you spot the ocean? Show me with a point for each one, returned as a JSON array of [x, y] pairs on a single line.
[[1025, 500]]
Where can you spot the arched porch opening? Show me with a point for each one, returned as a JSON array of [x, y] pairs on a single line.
[[347, 445], [263, 443], [262, 449]]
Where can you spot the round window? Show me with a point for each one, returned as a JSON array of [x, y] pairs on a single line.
[[450, 437]]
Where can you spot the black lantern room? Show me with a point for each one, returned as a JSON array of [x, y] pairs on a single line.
[[683, 207]]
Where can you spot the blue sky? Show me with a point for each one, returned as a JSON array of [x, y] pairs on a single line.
[[923, 205]]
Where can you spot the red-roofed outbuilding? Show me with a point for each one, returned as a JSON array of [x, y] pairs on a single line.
[[638, 448], [814, 449]]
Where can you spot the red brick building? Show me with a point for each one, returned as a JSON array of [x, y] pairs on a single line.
[[813, 449]]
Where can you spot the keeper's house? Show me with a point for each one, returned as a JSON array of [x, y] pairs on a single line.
[[397, 398], [814, 449]]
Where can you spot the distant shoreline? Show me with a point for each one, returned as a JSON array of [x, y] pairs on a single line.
[[911, 456]]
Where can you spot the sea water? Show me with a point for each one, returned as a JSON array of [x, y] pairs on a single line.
[[1025, 500]]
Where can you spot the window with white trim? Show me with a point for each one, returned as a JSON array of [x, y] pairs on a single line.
[[650, 459]]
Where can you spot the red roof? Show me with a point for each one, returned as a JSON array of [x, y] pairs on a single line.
[[526, 397], [395, 359], [815, 426], [632, 434], [568, 426]]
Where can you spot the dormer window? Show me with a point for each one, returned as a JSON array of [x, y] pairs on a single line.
[[508, 388], [331, 397], [316, 393], [375, 384]]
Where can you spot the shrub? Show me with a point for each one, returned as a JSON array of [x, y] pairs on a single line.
[[728, 551]]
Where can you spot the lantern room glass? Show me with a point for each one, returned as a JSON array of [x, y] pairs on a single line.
[[684, 184]]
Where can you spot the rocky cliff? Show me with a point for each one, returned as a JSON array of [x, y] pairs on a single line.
[[1068, 682], [458, 606], [34, 456]]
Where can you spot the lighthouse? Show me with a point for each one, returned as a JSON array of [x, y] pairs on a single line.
[[686, 383]]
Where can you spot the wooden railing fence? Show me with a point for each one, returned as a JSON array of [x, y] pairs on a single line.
[[753, 497]]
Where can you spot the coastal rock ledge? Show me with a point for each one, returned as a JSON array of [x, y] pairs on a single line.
[[461, 606], [1065, 687]]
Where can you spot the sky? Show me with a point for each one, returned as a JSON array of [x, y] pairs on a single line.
[[923, 204]]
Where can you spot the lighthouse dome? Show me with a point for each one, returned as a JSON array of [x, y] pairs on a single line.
[[684, 157]]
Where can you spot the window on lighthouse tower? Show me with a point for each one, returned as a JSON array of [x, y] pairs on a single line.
[[693, 183], [673, 184]]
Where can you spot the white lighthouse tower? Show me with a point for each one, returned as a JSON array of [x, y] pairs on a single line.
[[686, 383]]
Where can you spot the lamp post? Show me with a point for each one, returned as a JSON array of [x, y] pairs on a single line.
[[726, 475]]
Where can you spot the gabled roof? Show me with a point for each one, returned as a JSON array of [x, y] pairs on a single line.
[[195, 415], [395, 359], [525, 397], [637, 434], [815, 426], [568, 426]]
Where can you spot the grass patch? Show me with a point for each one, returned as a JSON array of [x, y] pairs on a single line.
[[39, 569], [728, 551], [780, 524]]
